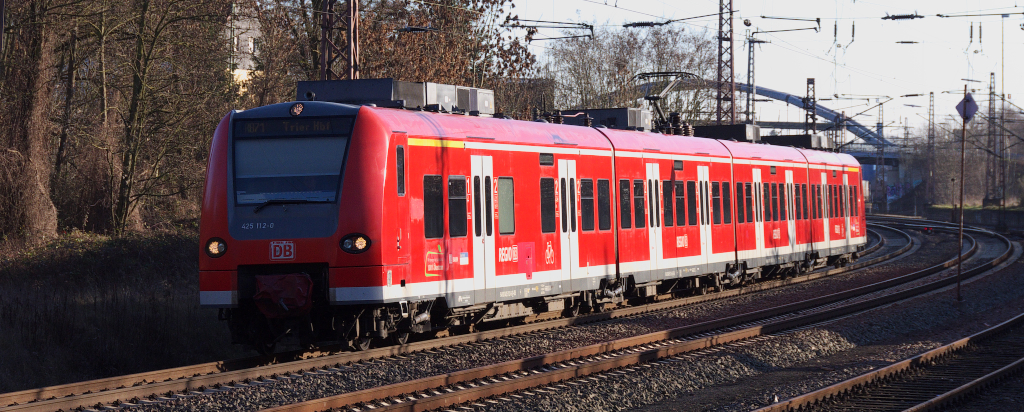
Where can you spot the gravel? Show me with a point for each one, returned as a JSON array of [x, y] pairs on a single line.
[[726, 364], [755, 375]]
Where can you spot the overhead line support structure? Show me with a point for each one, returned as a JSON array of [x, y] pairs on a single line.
[[329, 51], [751, 85], [930, 187], [725, 112], [810, 105]]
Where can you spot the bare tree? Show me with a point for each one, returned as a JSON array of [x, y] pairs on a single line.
[[27, 89], [600, 72]]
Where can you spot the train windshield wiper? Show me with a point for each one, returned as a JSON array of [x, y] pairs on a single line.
[[257, 209]]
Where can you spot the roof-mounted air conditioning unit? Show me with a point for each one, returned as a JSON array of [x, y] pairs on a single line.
[[399, 94]]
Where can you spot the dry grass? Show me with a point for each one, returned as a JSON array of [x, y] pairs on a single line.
[[87, 306]]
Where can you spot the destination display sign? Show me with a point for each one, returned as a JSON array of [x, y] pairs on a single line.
[[315, 126]]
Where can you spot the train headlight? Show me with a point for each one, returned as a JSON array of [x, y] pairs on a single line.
[[355, 243], [216, 247]]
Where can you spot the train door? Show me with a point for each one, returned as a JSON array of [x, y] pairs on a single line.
[[704, 210], [654, 218], [568, 200], [404, 245], [482, 169], [791, 213], [758, 213]]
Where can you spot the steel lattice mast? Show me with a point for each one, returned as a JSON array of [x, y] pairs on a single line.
[[329, 52], [725, 97]]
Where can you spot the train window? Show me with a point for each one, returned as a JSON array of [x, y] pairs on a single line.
[[822, 203], [739, 203], [803, 188], [842, 201], [627, 220], [506, 206], [798, 200], [604, 205], [705, 203], [813, 200], [548, 222], [565, 208], [476, 206], [750, 202], [666, 202], [691, 203], [400, 169], [716, 202], [775, 202], [587, 204], [488, 207], [433, 207], [823, 199], [681, 203], [726, 203], [782, 202], [456, 206], [852, 201], [651, 203], [836, 201], [757, 200], [677, 165], [572, 204], [638, 204], [547, 159], [766, 199], [654, 206], [815, 203], [838, 189], [849, 200], [773, 169], [831, 201], [856, 200]]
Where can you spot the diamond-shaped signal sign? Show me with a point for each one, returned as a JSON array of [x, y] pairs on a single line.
[[967, 107]]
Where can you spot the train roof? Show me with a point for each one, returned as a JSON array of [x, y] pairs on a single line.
[[508, 131], [662, 143], [454, 126], [755, 151]]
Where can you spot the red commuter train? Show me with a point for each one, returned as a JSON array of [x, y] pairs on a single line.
[[344, 223]]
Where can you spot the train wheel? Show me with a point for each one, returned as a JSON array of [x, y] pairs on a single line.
[[571, 311], [265, 348], [362, 343], [400, 338], [260, 336]]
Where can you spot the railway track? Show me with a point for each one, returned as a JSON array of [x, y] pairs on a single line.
[[579, 364], [929, 381], [161, 385]]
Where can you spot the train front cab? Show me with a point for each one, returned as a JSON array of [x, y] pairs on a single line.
[[292, 210]]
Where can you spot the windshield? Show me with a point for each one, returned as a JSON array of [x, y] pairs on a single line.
[[286, 160]]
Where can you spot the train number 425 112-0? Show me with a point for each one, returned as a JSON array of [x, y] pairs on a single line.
[[258, 225]]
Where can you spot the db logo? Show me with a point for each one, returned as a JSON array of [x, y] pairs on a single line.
[[282, 250]]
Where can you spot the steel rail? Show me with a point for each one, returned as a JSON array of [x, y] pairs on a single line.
[[840, 389], [863, 383], [424, 394], [205, 377]]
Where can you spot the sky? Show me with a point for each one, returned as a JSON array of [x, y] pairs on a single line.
[[855, 54]]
